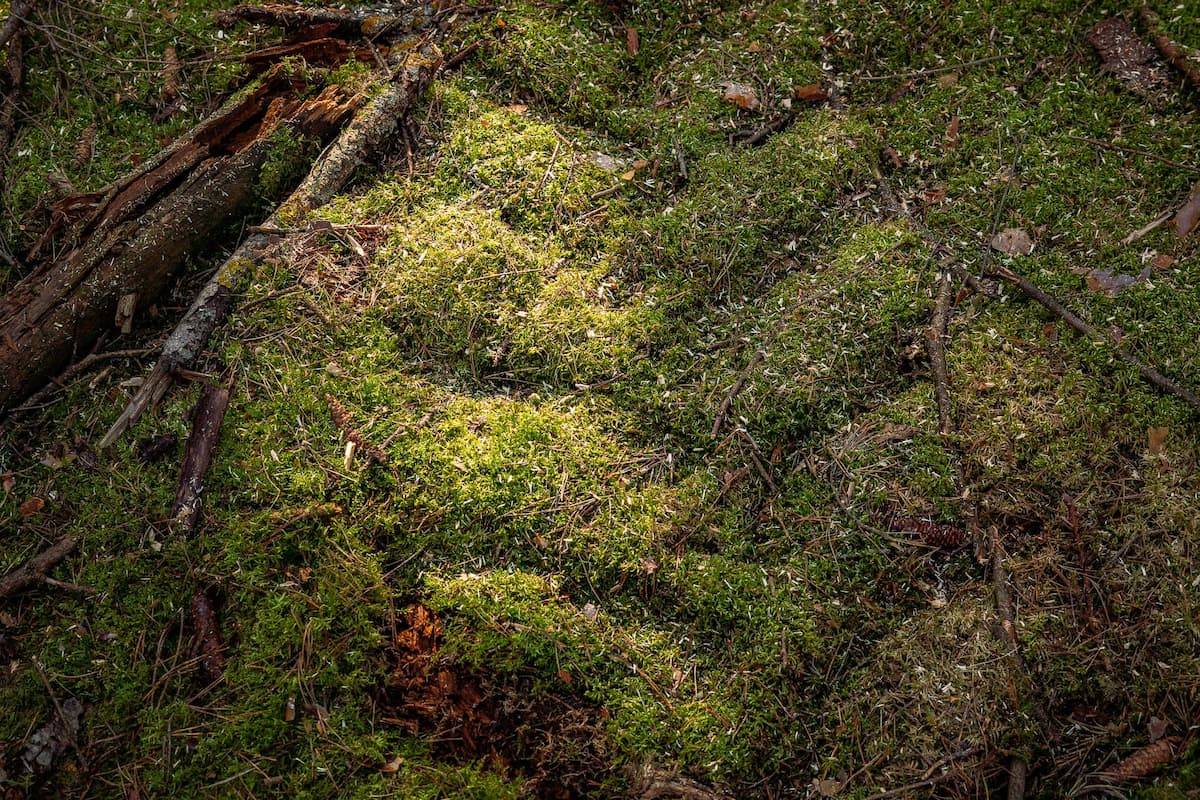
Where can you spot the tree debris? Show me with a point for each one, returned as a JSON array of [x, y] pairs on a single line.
[[341, 418], [206, 428], [329, 174], [208, 637], [1171, 51], [54, 738], [1145, 761], [33, 573], [1156, 378], [935, 342], [1126, 57]]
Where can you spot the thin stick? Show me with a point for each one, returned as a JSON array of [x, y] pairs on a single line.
[[935, 339], [760, 356], [1153, 376], [921, 73], [1120, 148], [1170, 50], [33, 573]]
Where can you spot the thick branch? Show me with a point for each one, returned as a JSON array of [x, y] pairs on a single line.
[[328, 175], [1171, 51]]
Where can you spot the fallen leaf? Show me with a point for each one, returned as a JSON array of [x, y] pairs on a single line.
[[1157, 728], [8, 481], [741, 95], [810, 93], [933, 197], [952, 133], [1013, 241], [1104, 280], [31, 506], [1162, 261], [892, 156], [755, 47], [1156, 439], [589, 612], [392, 766], [517, 108], [1050, 331], [827, 787], [947, 79], [631, 41], [564, 676], [1189, 214]]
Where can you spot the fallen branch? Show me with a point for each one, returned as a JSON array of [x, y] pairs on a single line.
[[1153, 376], [760, 356], [206, 428], [935, 339], [1171, 51], [358, 140], [1018, 767], [208, 637], [134, 237], [15, 80], [33, 573], [17, 13]]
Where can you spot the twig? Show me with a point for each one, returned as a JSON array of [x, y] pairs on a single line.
[[1140, 232], [69, 374], [1153, 376], [1170, 50], [1018, 768], [935, 338], [461, 55], [1120, 148], [760, 355], [755, 138], [33, 573], [921, 73]]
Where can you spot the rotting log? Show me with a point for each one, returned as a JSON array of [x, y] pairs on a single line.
[[133, 237], [363, 136]]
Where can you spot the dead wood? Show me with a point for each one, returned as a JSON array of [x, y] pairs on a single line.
[[330, 173], [206, 428], [33, 573], [134, 237], [12, 85], [648, 782], [54, 738], [18, 11], [935, 339], [208, 637], [1171, 51], [1153, 376]]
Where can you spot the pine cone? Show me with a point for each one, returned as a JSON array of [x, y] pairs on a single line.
[[1144, 761]]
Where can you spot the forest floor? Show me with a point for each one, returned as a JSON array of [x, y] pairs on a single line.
[[637, 319]]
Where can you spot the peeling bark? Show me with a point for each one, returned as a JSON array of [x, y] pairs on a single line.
[[133, 237]]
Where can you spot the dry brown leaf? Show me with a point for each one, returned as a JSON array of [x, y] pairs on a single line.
[[934, 196], [1162, 261], [1189, 214], [631, 40], [517, 108], [31, 506], [947, 79], [1110, 283], [564, 676], [1013, 241], [8, 481], [810, 93], [755, 47], [741, 95], [1156, 439], [952, 133], [1157, 728], [170, 75]]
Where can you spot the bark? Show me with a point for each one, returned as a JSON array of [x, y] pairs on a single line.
[[206, 429], [330, 173], [133, 237], [330, 22]]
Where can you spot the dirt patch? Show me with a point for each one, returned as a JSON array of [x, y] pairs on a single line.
[[555, 742]]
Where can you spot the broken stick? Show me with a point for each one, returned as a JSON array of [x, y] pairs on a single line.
[[1153, 376], [935, 338], [33, 573], [358, 140], [1171, 51], [206, 427]]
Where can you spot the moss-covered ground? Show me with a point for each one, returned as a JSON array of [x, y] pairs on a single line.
[[661, 435]]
